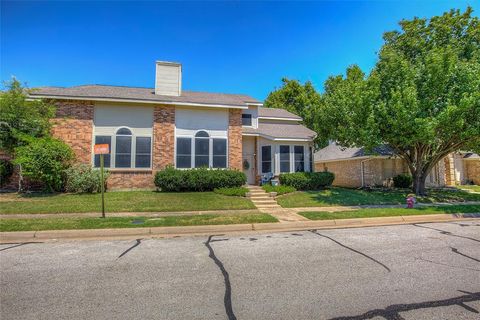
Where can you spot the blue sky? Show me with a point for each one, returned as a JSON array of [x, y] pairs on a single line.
[[232, 47]]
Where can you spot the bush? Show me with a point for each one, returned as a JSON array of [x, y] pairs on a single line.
[[45, 160], [282, 189], [234, 191], [83, 178], [201, 179], [307, 180], [6, 171], [402, 181]]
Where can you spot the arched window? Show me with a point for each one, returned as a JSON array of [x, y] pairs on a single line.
[[123, 148], [202, 149]]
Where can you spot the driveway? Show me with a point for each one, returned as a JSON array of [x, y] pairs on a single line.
[[423, 271]]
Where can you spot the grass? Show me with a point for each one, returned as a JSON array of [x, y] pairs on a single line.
[[126, 222], [278, 189], [233, 192], [470, 187], [351, 197], [390, 212], [126, 201]]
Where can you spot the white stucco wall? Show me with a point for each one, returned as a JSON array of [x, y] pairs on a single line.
[[108, 118], [189, 121]]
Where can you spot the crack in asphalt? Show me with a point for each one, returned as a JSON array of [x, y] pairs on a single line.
[[446, 265], [126, 251], [351, 249], [227, 299], [455, 250], [447, 233], [392, 312], [17, 245]]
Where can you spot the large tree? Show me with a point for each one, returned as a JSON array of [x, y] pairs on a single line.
[[302, 100], [422, 98], [22, 119]]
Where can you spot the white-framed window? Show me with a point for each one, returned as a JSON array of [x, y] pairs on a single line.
[[267, 159], [299, 158], [285, 158], [246, 119], [127, 150], [201, 150]]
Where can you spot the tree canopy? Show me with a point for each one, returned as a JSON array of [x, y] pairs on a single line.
[[422, 98], [21, 119]]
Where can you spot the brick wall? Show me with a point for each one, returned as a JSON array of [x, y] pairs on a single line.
[[235, 139], [74, 125], [449, 170], [348, 172], [129, 179], [472, 168], [163, 136]]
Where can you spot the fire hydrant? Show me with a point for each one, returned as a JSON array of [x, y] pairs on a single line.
[[410, 201]]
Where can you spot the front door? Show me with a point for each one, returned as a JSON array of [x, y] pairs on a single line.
[[248, 158], [248, 164]]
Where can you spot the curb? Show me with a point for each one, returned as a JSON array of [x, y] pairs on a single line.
[[158, 232]]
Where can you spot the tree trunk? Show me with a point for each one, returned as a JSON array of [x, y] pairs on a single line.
[[419, 183]]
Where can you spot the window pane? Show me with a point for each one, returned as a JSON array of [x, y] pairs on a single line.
[[184, 146], [201, 161], [266, 153], [299, 159], [106, 157], [266, 167], [246, 119], [284, 166], [201, 147], [143, 145], [219, 161], [123, 161], [124, 131], [285, 153], [124, 144], [123, 151], [202, 134], [142, 161], [184, 161], [219, 147]]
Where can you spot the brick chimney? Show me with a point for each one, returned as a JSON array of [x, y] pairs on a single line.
[[168, 78]]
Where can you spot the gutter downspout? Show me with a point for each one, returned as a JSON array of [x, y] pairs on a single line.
[[362, 170]]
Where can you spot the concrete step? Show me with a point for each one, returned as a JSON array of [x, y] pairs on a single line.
[[269, 207], [261, 198], [259, 194], [256, 191], [266, 201]]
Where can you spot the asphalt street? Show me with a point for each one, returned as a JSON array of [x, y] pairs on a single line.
[[423, 271]]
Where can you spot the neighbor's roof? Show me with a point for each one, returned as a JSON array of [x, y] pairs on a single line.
[[471, 155], [105, 92], [336, 152], [281, 131], [275, 113]]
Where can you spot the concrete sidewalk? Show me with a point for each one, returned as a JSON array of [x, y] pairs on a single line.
[[161, 232]]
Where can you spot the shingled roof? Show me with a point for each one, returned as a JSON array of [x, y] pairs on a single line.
[[281, 131], [277, 114], [336, 152], [105, 92]]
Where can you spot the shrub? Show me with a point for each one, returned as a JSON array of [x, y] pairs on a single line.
[[234, 191], [45, 160], [6, 171], [402, 181], [282, 189], [83, 178], [201, 179], [307, 180]]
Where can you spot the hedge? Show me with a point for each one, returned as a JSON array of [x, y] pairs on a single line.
[[201, 179], [307, 180], [402, 181]]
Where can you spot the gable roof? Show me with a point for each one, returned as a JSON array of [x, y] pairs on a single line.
[[275, 113], [281, 131], [147, 95], [336, 152]]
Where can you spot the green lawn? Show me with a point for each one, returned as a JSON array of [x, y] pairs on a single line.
[[470, 187], [127, 201], [390, 212], [127, 222], [351, 197]]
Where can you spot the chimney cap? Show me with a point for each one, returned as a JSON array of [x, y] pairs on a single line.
[[168, 63]]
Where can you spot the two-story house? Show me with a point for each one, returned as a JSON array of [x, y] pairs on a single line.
[[150, 128]]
